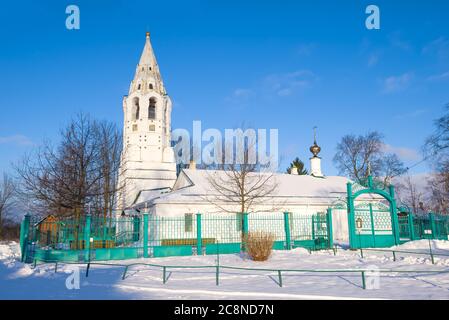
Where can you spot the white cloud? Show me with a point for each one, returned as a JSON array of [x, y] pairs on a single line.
[[279, 84], [418, 179], [242, 93], [397, 83], [406, 154], [286, 84], [411, 114], [438, 47], [397, 41], [439, 77], [373, 59], [17, 139], [306, 49]]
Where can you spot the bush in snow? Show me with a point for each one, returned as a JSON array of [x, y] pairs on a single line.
[[258, 245]]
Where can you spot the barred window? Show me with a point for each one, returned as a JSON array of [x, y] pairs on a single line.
[[188, 222]]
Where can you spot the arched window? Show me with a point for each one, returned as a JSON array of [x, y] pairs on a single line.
[[152, 108], [150, 86], [138, 86], [135, 109]]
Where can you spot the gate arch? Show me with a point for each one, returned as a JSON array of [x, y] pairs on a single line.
[[372, 224]]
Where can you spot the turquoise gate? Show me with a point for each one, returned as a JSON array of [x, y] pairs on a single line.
[[372, 224]]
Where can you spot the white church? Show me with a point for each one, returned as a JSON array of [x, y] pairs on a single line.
[[148, 168]]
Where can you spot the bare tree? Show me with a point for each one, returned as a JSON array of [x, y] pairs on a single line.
[[358, 156], [410, 194], [110, 148], [242, 185], [436, 150], [7, 192], [79, 173], [438, 200]]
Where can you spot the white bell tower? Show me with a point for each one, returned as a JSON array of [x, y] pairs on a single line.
[[147, 160]]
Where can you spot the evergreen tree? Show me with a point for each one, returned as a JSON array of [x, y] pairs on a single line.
[[297, 163]]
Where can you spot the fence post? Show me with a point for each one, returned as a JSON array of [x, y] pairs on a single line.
[[411, 226], [244, 229], [394, 214], [432, 224], [287, 231], [330, 234], [350, 208], [87, 237], [245, 223], [145, 234], [199, 243], [313, 232], [24, 229], [136, 228]]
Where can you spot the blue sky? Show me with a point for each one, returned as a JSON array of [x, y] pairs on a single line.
[[282, 64]]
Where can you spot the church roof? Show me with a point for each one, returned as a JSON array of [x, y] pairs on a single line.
[[147, 57], [194, 185], [147, 71]]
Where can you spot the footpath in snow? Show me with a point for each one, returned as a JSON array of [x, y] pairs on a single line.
[[21, 281]]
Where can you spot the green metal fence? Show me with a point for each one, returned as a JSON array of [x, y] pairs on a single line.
[[423, 226], [90, 238], [81, 238]]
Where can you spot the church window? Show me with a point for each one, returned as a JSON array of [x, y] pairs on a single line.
[[188, 222], [135, 109], [152, 108], [134, 127], [139, 86], [150, 86], [152, 127]]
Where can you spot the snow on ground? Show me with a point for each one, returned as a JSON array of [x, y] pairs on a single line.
[[21, 281]]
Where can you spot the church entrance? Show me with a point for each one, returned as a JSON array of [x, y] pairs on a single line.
[[372, 223]]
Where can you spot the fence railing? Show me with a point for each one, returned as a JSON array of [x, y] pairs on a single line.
[[430, 226], [166, 270], [89, 237]]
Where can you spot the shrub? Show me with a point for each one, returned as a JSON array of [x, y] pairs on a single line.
[[258, 245]]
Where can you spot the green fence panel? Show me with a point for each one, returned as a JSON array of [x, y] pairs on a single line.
[[279, 245], [168, 251], [221, 228], [51, 255], [273, 223], [223, 248], [116, 254]]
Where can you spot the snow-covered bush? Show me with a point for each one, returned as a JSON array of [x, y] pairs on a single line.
[[258, 245]]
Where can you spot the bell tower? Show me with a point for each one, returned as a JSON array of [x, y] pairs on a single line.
[[147, 160]]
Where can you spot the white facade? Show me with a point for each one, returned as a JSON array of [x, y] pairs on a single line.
[[298, 194], [315, 167], [148, 169], [147, 160]]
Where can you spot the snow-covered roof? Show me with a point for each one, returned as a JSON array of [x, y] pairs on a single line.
[[194, 185]]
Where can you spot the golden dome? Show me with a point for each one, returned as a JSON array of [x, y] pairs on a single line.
[[315, 149]]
